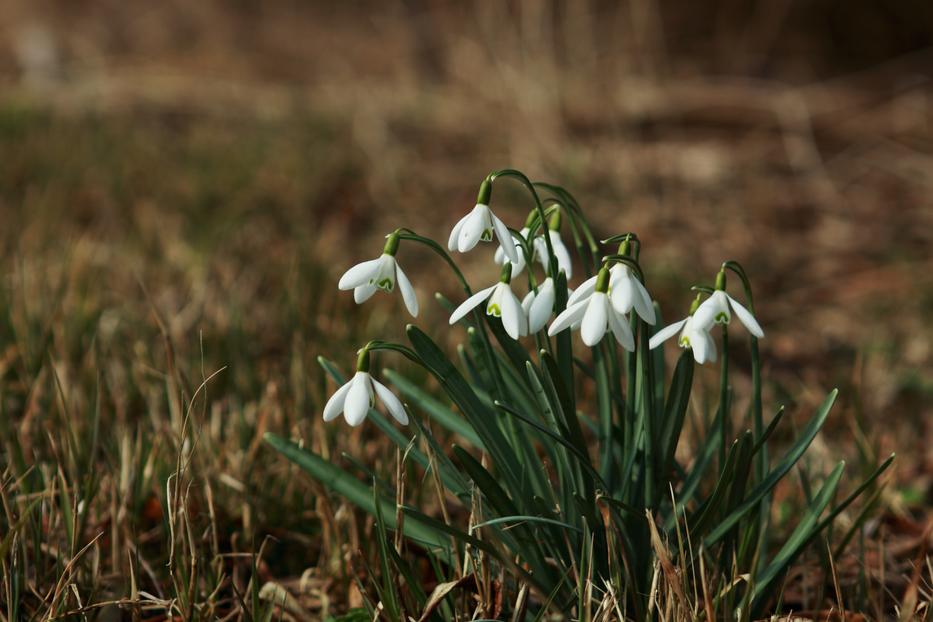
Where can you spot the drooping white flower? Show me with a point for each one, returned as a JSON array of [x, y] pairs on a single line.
[[715, 309], [693, 334], [560, 252], [625, 291], [501, 303], [595, 315], [481, 224], [381, 273], [539, 304], [356, 397]]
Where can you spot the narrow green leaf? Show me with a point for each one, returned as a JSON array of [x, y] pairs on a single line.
[[805, 530], [336, 479], [434, 408], [776, 474]]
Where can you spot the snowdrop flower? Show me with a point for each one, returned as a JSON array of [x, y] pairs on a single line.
[[501, 303], [560, 252], [356, 397], [595, 315], [715, 309], [380, 273], [694, 334], [539, 304], [480, 224], [626, 292]]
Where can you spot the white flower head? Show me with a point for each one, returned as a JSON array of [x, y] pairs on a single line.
[[356, 397], [595, 316], [539, 304], [560, 252], [366, 278], [627, 293], [500, 302], [693, 334], [716, 309], [480, 225]]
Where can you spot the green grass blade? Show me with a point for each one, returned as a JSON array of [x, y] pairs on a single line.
[[434, 408], [801, 536], [776, 474], [338, 480]]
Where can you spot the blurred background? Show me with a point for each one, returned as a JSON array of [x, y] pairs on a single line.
[[200, 174]]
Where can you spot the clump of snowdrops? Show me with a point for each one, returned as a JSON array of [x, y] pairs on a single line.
[[568, 505]]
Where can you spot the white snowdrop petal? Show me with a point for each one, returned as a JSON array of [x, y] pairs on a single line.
[[408, 292], [511, 313], [473, 228], [359, 399], [470, 303], [568, 317], [455, 233], [595, 320], [384, 278], [745, 316], [643, 303], [710, 347], [364, 292], [622, 331], [586, 289], [528, 300], [391, 402], [505, 238], [622, 294], [699, 342], [334, 405], [564, 262], [359, 274], [665, 333], [706, 314], [542, 306]]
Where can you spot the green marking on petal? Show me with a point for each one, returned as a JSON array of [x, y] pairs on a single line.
[[487, 235], [494, 310], [685, 342], [722, 318], [386, 284]]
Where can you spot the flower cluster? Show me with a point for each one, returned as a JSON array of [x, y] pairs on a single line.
[[613, 301]]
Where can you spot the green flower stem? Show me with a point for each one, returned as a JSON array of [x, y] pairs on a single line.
[[646, 377], [478, 318], [757, 416], [378, 344], [552, 258], [724, 397], [567, 200], [629, 261], [408, 234]]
